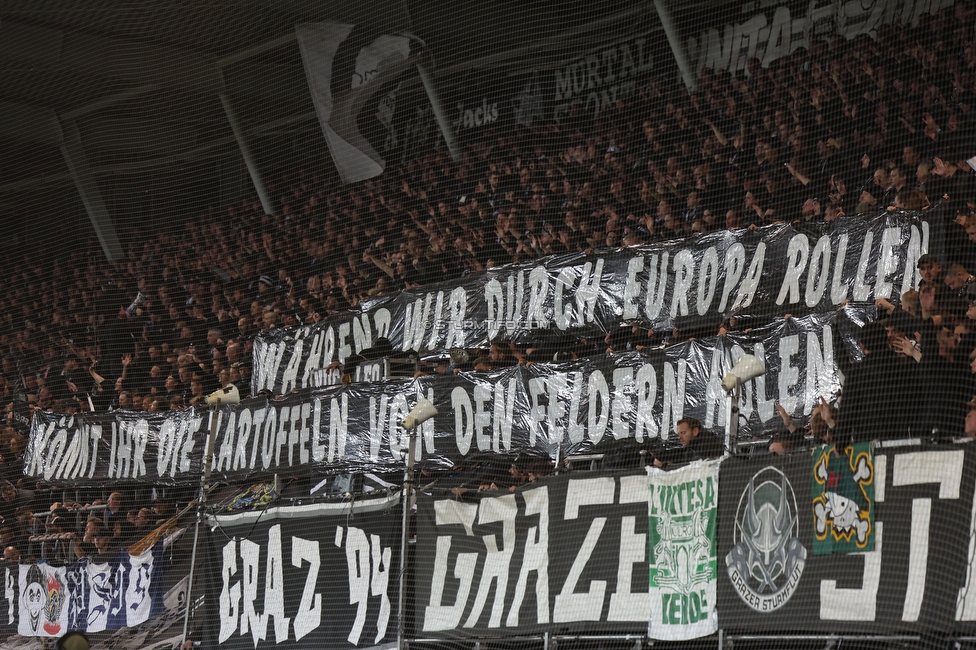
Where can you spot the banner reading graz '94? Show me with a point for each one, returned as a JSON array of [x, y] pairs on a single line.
[[687, 283], [552, 410], [316, 576]]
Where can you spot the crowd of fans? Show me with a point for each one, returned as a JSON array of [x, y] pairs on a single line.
[[839, 128], [35, 526]]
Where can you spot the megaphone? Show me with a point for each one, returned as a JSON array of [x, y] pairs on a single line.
[[139, 299], [746, 368], [423, 411], [226, 395]]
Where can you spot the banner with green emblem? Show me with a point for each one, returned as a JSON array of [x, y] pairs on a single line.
[[843, 499], [682, 510]]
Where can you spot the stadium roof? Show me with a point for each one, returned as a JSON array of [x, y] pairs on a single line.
[[131, 89]]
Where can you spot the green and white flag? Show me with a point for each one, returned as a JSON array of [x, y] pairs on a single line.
[[682, 510]]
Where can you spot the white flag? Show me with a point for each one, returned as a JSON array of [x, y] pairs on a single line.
[[346, 68], [683, 563], [139, 592]]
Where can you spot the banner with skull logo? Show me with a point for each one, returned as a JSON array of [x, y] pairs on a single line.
[[843, 499]]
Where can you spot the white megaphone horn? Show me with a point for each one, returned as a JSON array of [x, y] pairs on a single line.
[[226, 395], [746, 368], [423, 411]]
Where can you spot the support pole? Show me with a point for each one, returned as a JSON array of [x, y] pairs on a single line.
[[252, 167], [408, 479], [74, 155], [201, 502], [674, 40], [732, 419], [443, 121]]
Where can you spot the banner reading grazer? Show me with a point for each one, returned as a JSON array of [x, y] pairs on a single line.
[[682, 514], [549, 410], [565, 554], [316, 576], [690, 283]]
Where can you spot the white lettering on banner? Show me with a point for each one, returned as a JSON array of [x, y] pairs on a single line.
[[447, 617], [735, 261], [361, 553], [839, 288], [538, 289], [707, 280], [623, 381], [862, 290], [770, 38], [601, 78], [369, 565], [599, 411], [338, 430], [965, 600], [819, 272], [175, 446], [674, 395], [463, 419], [715, 395], [585, 499], [435, 329], [821, 371], [684, 267], [504, 308], [535, 559], [571, 606], [415, 318], [480, 116], [497, 562], [910, 469], [309, 615], [944, 468], [657, 285], [751, 284], [646, 389], [917, 243], [127, 457], [230, 595], [53, 456], [631, 289], [796, 256], [855, 604], [788, 374], [274, 587], [624, 604], [890, 239], [306, 370], [281, 433]]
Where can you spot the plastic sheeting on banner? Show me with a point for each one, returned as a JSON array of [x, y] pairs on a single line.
[[616, 404], [686, 284]]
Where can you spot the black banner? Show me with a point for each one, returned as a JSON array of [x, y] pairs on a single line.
[[771, 30], [323, 576], [552, 410], [917, 580], [566, 554], [691, 283]]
